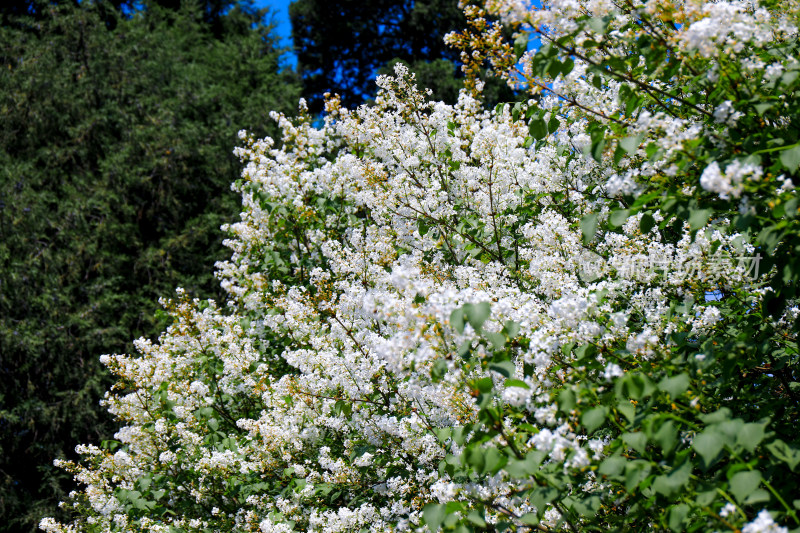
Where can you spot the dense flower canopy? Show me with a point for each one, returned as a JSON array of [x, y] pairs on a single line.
[[570, 313]]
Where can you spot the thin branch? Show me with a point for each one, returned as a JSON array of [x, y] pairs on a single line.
[[627, 77]]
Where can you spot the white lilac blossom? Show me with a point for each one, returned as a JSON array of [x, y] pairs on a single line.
[[725, 113], [369, 328], [727, 510], [721, 27], [729, 184], [612, 371], [763, 523]]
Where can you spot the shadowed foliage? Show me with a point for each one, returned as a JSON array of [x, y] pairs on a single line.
[[342, 44], [115, 172]]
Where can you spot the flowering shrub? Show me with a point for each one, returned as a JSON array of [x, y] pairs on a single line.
[[573, 313]]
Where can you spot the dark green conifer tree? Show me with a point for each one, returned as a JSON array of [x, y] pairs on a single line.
[[115, 171], [342, 44]]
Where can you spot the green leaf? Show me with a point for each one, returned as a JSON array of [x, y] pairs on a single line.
[[619, 217], [757, 496], [730, 430], [587, 350], [516, 383], [484, 385], [589, 226], [442, 434], [673, 482], [537, 128], [506, 368], [720, 415], [666, 437], [475, 517], [423, 227], [477, 314], [587, 505], [213, 423], [464, 349], [744, 483], [612, 466], [542, 496], [789, 77], [438, 370], [677, 516], [343, 408], [628, 410], [631, 105], [596, 150], [460, 435], [675, 386], [511, 328], [751, 435], [631, 144], [645, 199], [635, 473], [498, 340], [790, 208], [433, 514], [698, 218], [594, 418], [646, 223], [474, 457], [567, 400], [529, 519], [637, 441], [708, 444], [454, 507], [704, 498], [144, 483], [142, 504], [520, 44], [791, 158], [457, 319], [494, 460], [783, 452], [597, 24], [763, 107], [634, 386], [523, 468], [566, 349]]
